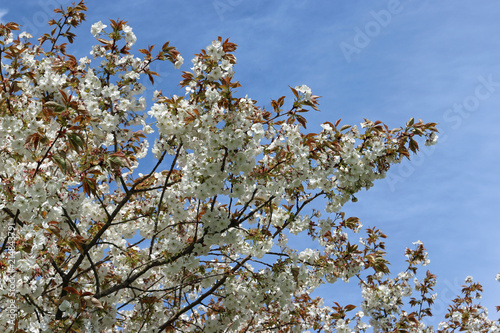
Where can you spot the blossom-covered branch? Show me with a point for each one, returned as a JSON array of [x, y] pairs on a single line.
[[208, 214]]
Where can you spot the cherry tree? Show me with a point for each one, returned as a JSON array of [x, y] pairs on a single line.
[[97, 237]]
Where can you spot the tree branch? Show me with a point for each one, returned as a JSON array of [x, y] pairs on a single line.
[[155, 230], [209, 292]]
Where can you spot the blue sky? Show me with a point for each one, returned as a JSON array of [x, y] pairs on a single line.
[[381, 60]]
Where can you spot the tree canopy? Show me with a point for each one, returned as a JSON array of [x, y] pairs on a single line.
[[210, 213]]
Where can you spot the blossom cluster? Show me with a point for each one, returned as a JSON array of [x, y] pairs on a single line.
[[195, 237]]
